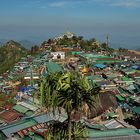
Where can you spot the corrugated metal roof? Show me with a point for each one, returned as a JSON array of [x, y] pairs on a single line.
[[136, 110], [20, 108], [54, 67], [111, 133], [9, 116], [120, 97], [13, 128], [100, 66], [133, 137], [111, 124], [27, 105], [49, 117]]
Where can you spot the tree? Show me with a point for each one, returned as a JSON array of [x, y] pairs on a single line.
[[69, 91], [122, 49], [48, 88], [34, 49], [80, 37]]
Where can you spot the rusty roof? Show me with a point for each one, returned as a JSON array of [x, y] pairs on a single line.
[[9, 116]]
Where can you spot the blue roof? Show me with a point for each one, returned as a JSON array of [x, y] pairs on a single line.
[[23, 89], [100, 66], [49, 117], [135, 67]]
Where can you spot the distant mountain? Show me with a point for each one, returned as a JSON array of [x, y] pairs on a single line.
[[1, 44], [27, 44], [10, 53], [2, 41], [127, 46]]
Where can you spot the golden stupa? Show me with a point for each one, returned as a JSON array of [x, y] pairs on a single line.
[[85, 70]]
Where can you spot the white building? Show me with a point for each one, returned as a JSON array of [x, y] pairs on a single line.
[[67, 34], [58, 55]]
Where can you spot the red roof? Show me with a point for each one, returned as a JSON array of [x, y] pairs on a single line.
[[9, 116], [115, 91], [8, 106], [34, 128]]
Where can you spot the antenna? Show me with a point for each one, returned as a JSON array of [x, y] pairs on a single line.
[[107, 40]]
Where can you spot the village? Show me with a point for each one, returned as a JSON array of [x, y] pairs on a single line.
[[117, 74]]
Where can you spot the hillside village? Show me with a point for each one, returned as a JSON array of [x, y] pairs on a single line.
[[115, 72]]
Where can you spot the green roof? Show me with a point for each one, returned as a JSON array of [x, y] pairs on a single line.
[[121, 91], [136, 110], [111, 133], [94, 56], [75, 52], [129, 71], [120, 97], [27, 138], [13, 128], [36, 137], [29, 113], [127, 79], [20, 108], [54, 67], [107, 61]]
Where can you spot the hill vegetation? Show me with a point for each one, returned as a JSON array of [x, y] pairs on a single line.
[[79, 42], [10, 53]]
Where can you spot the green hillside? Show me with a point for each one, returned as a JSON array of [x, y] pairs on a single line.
[[10, 53]]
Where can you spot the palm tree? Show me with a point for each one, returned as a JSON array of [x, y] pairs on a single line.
[[71, 92]]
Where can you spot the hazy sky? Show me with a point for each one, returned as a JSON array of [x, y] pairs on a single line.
[[40, 19]]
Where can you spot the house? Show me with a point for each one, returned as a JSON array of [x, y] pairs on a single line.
[[33, 124], [13, 128], [10, 116], [58, 55], [28, 105], [114, 134], [112, 130], [22, 109], [53, 67]]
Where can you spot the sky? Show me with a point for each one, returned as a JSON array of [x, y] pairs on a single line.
[[38, 20]]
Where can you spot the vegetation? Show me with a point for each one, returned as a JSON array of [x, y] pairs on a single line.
[[35, 50], [91, 45], [10, 53], [58, 131], [122, 50], [70, 92]]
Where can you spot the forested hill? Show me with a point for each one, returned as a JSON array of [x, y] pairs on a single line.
[[10, 53]]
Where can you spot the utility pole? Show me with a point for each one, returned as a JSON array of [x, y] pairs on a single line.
[[31, 76]]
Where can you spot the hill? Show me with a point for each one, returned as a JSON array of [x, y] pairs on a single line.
[[26, 44], [10, 53]]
